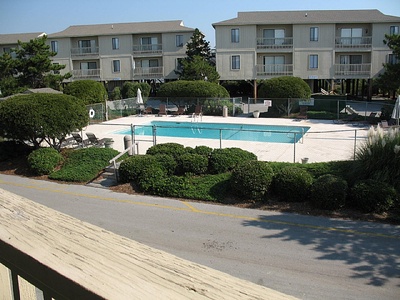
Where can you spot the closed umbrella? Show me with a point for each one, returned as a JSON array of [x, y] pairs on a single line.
[[139, 100]]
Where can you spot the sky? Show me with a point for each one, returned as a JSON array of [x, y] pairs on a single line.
[[50, 16]]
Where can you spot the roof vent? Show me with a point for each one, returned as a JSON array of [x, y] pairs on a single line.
[[112, 26], [305, 15]]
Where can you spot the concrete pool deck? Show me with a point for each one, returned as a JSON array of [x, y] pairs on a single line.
[[324, 141]]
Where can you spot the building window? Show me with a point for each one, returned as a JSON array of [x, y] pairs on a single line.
[[56, 71], [91, 65], [116, 66], [149, 43], [351, 36], [394, 30], [54, 46], [179, 65], [350, 59], [235, 35], [393, 59], [313, 61], [274, 36], [115, 43], [179, 40], [314, 34], [235, 62]]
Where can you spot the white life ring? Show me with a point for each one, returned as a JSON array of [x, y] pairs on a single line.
[[91, 113]]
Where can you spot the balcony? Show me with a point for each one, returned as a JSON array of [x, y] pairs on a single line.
[[86, 74], [85, 51], [154, 49], [149, 72], [346, 70], [275, 70], [275, 43], [353, 42]]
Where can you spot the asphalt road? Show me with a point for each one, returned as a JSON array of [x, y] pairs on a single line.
[[304, 256]]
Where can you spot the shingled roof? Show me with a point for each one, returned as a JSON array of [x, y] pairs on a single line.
[[310, 17], [6, 39], [121, 28]]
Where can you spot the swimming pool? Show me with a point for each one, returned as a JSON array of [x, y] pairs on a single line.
[[224, 131]]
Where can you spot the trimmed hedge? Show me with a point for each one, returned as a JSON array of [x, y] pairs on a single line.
[[194, 163], [173, 149], [43, 161], [131, 168], [251, 179], [89, 91], [195, 88], [83, 165], [292, 184], [329, 192], [225, 159], [284, 87], [372, 196]]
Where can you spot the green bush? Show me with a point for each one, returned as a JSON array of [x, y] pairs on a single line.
[[203, 150], [167, 162], [225, 159], [89, 91], [129, 89], [43, 161], [379, 157], [251, 179], [173, 149], [372, 196], [131, 168], [292, 184], [152, 179], [116, 93], [284, 87], [329, 192], [37, 118], [194, 163], [195, 88], [83, 165]]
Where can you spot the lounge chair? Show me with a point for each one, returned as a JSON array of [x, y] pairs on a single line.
[[148, 110], [303, 112], [180, 111], [162, 110], [198, 111], [77, 137], [94, 140]]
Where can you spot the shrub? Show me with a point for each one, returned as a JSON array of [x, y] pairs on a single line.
[[329, 192], [292, 184], [131, 168], [372, 196], [167, 162], [129, 89], [195, 88], [116, 93], [203, 150], [284, 87], [43, 161], [151, 178], [226, 159], [83, 165], [89, 91], [251, 179], [37, 118], [194, 163], [173, 149], [379, 157]]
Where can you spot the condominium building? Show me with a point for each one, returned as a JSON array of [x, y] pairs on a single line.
[[10, 41], [319, 45], [114, 53]]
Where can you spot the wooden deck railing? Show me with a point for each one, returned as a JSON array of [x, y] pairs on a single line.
[[69, 259]]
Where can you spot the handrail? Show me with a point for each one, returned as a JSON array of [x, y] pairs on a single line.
[[70, 259], [113, 161]]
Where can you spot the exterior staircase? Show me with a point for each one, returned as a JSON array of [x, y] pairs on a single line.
[[107, 178]]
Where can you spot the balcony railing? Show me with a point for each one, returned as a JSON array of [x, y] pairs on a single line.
[[147, 49], [353, 42], [84, 51], [352, 69], [275, 43], [86, 73], [275, 70], [150, 72], [66, 258]]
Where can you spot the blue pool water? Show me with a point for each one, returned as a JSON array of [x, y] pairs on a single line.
[[238, 132]]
